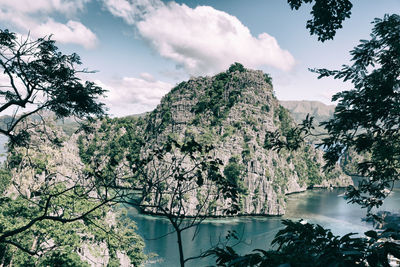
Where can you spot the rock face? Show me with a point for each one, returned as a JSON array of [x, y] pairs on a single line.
[[233, 111]]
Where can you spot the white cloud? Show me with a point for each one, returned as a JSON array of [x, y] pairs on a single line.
[[129, 95], [71, 32], [32, 16], [147, 77], [132, 11], [202, 40], [43, 6]]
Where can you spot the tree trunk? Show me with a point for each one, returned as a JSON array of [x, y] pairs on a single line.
[[181, 258], [4, 257]]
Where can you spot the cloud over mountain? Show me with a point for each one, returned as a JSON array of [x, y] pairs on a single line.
[[201, 40], [131, 95]]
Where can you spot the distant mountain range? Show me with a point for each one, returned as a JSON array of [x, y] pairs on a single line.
[[69, 125], [300, 109]]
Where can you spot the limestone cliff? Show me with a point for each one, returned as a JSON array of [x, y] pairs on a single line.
[[233, 111]]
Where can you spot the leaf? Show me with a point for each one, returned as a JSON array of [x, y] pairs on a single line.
[[371, 234]]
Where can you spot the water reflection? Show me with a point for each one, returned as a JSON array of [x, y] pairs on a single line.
[[320, 206]]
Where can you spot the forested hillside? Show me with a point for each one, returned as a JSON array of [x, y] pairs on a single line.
[[232, 113]]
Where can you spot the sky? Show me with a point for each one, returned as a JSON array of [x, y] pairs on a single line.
[[140, 49]]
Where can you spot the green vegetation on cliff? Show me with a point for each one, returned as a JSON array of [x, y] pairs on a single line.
[[219, 98], [230, 113]]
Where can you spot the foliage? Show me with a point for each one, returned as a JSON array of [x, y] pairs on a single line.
[[328, 16], [284, 119], [219, 98], [228, 131], [236, 67], [208, 137], [288, 136], [52, 208], [308, 168], [112, 149], [5, 179], [66, 240], [304, 244], [265, 108], [44, 211], [268, 78], [234, 172], [350, 159], [366, 118], [63, 259], [33, 67], [280, 181], [246, 153], [313, 172], [123, 238]]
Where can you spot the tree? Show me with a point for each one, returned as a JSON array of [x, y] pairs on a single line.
[[47, 205], [36, 76], [183, 183], [302, 244], [51, 210], [328, 16], [366, 120], [178, 179], [234, 172]]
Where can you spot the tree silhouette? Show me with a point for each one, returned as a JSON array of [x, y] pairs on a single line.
[[45, 208], [35, 77], [327, 16], [366, 120]]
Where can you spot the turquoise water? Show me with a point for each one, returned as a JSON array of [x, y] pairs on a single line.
[[325, 207]]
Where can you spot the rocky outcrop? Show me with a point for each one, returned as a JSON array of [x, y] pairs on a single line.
[[233, 111]]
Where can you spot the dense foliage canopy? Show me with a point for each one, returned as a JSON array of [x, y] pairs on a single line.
[[52, 212], [367, 118], [35, 77], [301, 244]]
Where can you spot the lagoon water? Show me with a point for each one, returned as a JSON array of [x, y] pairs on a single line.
[[322, 206]]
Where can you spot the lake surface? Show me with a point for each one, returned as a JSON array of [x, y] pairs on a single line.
[[322, 206]]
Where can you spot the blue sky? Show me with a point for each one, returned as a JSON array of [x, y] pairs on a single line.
[[142, 48]]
